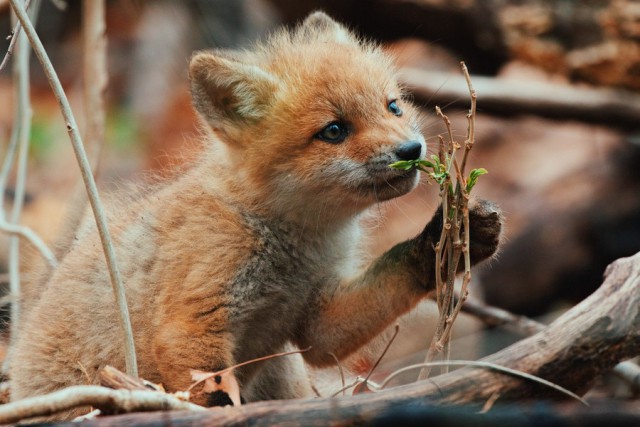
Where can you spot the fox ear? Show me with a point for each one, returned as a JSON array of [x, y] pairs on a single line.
[[318, 25], [225, 89]]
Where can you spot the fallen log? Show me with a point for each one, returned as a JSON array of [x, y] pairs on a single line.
[[572, 352], [606, 413], [557, 101]]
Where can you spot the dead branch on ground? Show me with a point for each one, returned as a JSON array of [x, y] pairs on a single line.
[[627, 371], [607, 106], [104, 399], [573, 351]]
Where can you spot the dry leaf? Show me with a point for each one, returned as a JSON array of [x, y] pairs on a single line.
[[224, 381]]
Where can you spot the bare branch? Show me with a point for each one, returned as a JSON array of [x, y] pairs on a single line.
[[27, 233], [23, 123], [455, 220], [95, 77], [487, 365], [94, 199], [15, 33], [105, 399], [609, 106], [627, 371]]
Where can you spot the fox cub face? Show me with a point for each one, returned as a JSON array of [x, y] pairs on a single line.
[[313, 115]]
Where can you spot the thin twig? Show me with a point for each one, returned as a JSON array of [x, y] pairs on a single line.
[[444, 288], [487, 365], [356, 381], [627, 371], [489, 403], [470, 117], [7, 164], [94, 198], [375, 365], [23, 121], [14, 36], [248, 362], [33, 238], [105, 399], [339, 365], [95, 77], [494, 316], [455, 220], [386, 349]]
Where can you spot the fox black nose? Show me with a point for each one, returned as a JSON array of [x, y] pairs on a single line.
[[409, 150]]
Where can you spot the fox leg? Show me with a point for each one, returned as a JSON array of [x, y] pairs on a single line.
[[178, 350], [285, 377], [349, 314]]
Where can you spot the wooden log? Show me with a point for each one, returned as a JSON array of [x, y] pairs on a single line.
[[113, 378], [610, 413], [608, 106], [573, 351]]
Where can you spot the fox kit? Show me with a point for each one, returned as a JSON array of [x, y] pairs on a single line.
[[254, 248]]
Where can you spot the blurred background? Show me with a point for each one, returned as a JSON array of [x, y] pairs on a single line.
[[558, 123]]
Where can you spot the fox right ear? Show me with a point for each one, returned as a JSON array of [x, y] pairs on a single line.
[[318, 24], [224, 89]]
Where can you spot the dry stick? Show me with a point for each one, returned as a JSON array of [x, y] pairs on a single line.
[[20, 134], [105, 399], [375, 365], [14, 36], [627, 371], [24, 113], [443, 289], [33, 238], [339, 365], [458, 202], [94, 199], [463, 197], [248, 362], [560, 101], [95, 77], [115, 379], [366, 382], [487, 365]]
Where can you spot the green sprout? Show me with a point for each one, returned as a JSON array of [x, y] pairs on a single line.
[[437, 170]]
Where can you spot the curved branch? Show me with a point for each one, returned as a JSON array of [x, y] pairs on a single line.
[[90, 184]]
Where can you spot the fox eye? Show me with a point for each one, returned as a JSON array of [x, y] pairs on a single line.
[[334, 132], [393, 107]]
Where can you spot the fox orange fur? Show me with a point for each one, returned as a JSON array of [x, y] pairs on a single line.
[[254, 248]]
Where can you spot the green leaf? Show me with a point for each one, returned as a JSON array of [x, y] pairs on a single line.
[[426, 163], [403, 164], [473, 178]]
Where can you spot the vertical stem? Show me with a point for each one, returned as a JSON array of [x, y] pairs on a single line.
[[94, 199], [95, 77], [23, 122], [14, 37], [455, 201]]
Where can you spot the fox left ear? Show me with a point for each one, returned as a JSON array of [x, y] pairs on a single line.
[[318, 24], [226, 90]]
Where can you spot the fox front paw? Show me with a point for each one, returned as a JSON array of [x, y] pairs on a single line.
[[485, 222]]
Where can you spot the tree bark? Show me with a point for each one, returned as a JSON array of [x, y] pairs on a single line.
[[572, 352]]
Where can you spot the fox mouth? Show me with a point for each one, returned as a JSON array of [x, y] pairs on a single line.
[[394, 185]]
